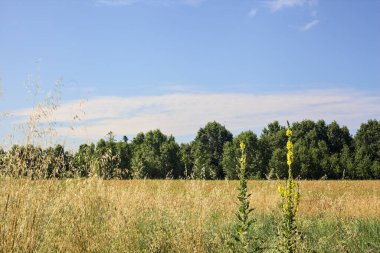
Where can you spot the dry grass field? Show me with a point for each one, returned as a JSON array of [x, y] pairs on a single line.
[[93, 215]]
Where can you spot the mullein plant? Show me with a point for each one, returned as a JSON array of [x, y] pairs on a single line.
[[288, 233], [244, 221]]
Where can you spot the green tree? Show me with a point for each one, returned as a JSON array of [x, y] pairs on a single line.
[[111, 158], [310, 149], [367, 151], [25, 161], [347, 161], [106, 160], [338, 137], [277, 163], [124, 152], [340, 143], [229, 161], [83, 160], [57, 162], [254, 166], [318, 149], [155, 155], [207, 150], [271, 146], [187, 160]]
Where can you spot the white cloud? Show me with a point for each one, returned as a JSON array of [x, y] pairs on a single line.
[[276, 5], [310, 25], [252, 12], [152, 2], [184, 114]]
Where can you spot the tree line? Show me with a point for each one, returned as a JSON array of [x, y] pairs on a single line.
[[321, 151]]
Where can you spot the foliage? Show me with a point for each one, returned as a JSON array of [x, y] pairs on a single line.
[[321, 151], [187, 160], [367, 156], [207, 150], [272, 142], [253, 156], [155, 155]]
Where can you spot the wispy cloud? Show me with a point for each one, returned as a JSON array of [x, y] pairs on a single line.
[[151, 2], [310, 25], [184, 114], [252, 12], [276, 5]]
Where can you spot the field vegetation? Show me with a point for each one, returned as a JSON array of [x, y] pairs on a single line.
[[94, 215]]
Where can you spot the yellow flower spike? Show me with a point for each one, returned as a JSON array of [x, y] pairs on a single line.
[[290, 157], [290, 203], [289, 145]]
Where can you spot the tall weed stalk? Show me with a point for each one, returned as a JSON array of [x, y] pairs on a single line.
[[288, 233], [244, 221]]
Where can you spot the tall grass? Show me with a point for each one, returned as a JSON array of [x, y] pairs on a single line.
[[93, 215]]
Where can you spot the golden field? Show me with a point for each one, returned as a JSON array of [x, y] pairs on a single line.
[[94, 215]]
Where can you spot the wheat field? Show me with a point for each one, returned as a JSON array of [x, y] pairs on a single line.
[[93, 215]]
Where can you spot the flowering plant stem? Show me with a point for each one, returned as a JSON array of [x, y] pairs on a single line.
[[244, 221], [288, 234]]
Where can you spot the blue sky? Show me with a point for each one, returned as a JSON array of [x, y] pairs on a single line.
[[135, 65]]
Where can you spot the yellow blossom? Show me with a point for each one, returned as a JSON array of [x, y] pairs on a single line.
[[290, 202], [290, 157], [289, 145]]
